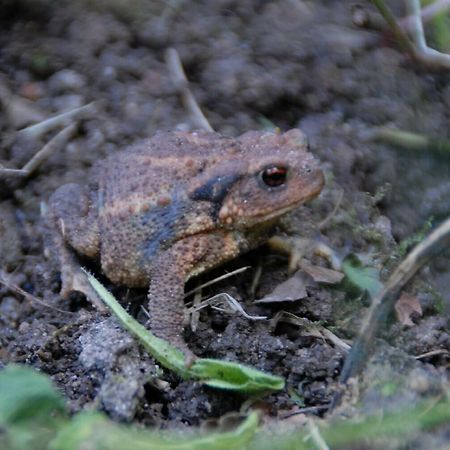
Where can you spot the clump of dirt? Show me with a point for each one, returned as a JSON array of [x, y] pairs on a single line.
[[252, 64]]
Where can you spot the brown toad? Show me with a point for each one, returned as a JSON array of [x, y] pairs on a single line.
[[178, 204]]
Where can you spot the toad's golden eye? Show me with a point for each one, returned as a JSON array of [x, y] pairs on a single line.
[[274, 176]]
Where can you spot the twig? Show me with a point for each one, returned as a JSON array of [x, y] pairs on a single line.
[[53, 145], [37, 130], [423, 52], [28, 296], [427, 13], [412, 141], [234, 305], [257, 273], [384, 302], [4, 172], [439, 351], [419, 51], [362, 17], [337, 341], [216, 280], [314, 330], [182, 84], [305, 410], [395, 27], [195, 314]]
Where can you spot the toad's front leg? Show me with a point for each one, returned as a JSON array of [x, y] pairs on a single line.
[[71, 224], [171, 269]]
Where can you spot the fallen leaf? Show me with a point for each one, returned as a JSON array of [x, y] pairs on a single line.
[[289, 291], [321, 274], [407, 306], [365, 278]]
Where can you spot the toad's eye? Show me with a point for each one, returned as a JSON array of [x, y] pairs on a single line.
[[274, 176]]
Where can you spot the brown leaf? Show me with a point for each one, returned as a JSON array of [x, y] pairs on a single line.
[[321, 274], [290, 290], [407, 306]]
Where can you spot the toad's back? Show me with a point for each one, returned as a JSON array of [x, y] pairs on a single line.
[[144, 204]]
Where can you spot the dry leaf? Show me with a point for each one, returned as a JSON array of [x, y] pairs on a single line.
[[289, 291], [321, 274], [407, 306]]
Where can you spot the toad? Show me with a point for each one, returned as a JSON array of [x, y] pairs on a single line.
[[176, 205]]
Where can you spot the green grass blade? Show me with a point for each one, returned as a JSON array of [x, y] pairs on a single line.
[[94, 431], [214, 373]]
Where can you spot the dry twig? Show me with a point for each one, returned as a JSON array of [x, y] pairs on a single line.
[[27, 295], [195, 314], [423, 52], [363, 17], [437, 352], [310, 329], [216, 280], [182, 84], [56, 143], [233, 304], [305, 410], [384, 302], [5, 172], [53, 145], [39, 129], [427, 13], [412, 141], [419, 50]]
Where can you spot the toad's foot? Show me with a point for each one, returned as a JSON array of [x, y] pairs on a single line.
[[175, 340], [73, 278], [297, 248], [76, 280], [294, 247]]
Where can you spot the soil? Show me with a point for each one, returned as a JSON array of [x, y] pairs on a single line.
[[252, 65]]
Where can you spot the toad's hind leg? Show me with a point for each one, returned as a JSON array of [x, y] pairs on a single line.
[[71, 223], [170, 271]]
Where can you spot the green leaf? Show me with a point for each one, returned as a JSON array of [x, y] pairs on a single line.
[[26, 394], [365, 278], [94, 431], [214, 373], [235, 376], [31, 410]]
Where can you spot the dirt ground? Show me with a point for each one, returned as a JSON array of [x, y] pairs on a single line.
[[252, 64]]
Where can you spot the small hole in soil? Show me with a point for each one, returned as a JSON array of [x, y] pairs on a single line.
[[153, 395], [78, 301], [218, 324]]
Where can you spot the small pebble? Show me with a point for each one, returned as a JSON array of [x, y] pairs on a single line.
[[66, 80]]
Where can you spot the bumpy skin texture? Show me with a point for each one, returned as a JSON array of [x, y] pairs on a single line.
[[176, 205]]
